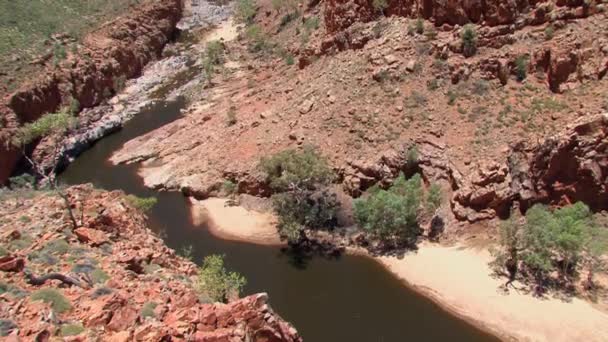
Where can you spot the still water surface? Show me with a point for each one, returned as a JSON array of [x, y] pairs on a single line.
[[351, 299]]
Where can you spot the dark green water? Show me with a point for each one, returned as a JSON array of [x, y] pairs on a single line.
[[350, 299]]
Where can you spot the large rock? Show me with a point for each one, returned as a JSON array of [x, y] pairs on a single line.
[[566, 168]]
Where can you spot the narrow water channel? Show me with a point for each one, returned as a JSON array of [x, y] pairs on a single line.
[[351, 299]]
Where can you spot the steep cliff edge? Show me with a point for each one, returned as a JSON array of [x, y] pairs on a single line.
[[124, 283], [107, 57]]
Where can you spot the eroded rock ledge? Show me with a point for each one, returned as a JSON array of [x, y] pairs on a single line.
[[132, 287]]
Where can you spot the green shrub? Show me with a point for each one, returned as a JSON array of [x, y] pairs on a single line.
[[101, 291], [469, 40], [419, 26], [412, 156], [231, 116], [452, 96], [311, 23], [71, 329], [258, 40], [142, 204], [229, 187], [521, 67], [245, 11], [58, 302], [289, 59], [380, 5], [57, 122], [7, 326], [431, 33], [216, 282], [549, 32], [392, 214], [148, 310], [99, 276], [293, 169], [433, 198], [58, 247]]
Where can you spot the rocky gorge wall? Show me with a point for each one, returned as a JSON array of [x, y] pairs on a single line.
[[113, 278], [340, 14], [109, 56]]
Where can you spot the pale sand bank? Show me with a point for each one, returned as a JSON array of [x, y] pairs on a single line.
[[459, 279], [456, 278], [234, 222]]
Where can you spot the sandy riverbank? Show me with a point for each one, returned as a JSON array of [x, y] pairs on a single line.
[[235, 222], [457, 278]]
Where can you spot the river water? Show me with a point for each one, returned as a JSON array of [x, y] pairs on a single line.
[[350, 299]]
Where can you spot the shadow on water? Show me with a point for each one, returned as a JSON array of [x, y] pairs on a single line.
[[350, 298]]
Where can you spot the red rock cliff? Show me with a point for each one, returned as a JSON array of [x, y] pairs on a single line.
[[340, 14], [117, 51]]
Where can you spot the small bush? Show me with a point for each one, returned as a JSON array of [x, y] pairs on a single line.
[[142, 204], [549, 32], [71, 329], [245, 11], [215, 281], [469, 40], [419, 26], [148, 310], [57, 301], [99, 276], [380, 5], [6, 327], [213, 56], [258, 40], [231, 116], [452, 96], [58, 247], [101, 291], [186, 252], [431, 33], [289, 59], [392, 214], [433, 198], [480, 87], [311, 23], [521, 67], [229, 187]]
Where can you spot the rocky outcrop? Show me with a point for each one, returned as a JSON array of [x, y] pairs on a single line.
[[566, 168], [117, 51], [340, 14], [110, 279]]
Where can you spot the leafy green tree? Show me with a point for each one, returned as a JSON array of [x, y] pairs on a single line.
[[393, 213], [216, 282], [300, 180], [551, 241], [54, 126], [292, 169]]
